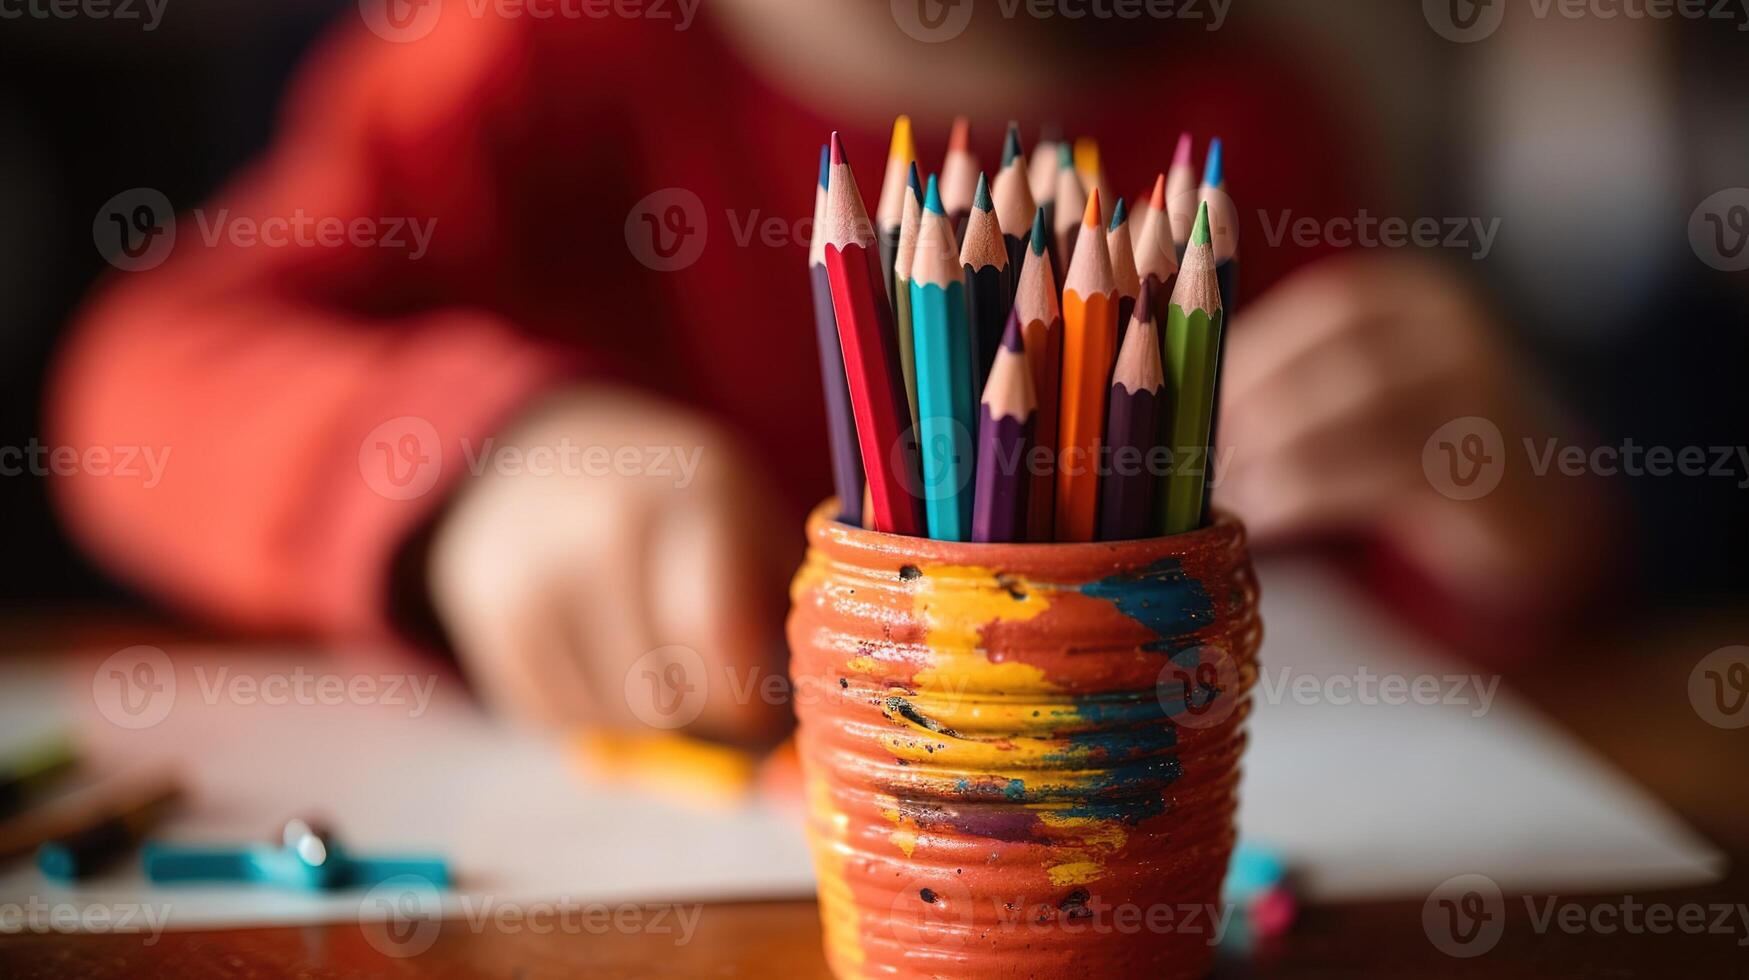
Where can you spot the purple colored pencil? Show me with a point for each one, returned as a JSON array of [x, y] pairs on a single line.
[[1126, 504], [847, 479], [1005, 421]]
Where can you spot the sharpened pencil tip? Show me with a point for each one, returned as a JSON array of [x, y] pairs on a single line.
[[1011, 144], [1215, 173], [1119, 215], [1087, 155], [903, 147], [1181, 156], [1145, 302], [825, 166], [837, 149], [916, 182], [1157, 201], [1011, 336], [960, 139], [981, 197], [1065, 156], [1090, 217], [1199, 234], [1038, 239], [932, 196]]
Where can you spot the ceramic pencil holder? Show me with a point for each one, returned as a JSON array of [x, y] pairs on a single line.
[[1020, 759]]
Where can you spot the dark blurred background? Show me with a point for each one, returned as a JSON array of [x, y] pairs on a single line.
[[1597, 277]]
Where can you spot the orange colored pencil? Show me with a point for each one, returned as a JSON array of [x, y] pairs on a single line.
[[1089, 349]]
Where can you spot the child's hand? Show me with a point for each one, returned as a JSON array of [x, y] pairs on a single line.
[[1335, 385], [556, 580]]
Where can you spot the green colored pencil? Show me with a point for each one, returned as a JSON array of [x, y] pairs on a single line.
[[1193, 340]]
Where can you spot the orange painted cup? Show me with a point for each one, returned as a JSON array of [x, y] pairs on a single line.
[[1020, 759]]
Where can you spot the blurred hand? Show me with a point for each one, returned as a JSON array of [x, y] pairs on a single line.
[[1334, 383], [556, 585]]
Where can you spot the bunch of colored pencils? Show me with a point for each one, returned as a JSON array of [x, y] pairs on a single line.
[[969, 398]]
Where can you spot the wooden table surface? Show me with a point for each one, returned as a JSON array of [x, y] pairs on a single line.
[[1626, 696]]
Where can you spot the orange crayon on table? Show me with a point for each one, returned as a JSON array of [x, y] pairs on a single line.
[[1089, 347]]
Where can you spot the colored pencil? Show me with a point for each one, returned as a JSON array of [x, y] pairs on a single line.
[[1071, 207], [989, 284], [107, 823], [890, 208], [1181, 200], [1123, 267], [871, 357], [959, 175], [1224, 234], [1005, 419], [1014, 202], [946, 405], [1091, 170], [1041, 173], [903, 257], [1089, 345], [847, 479], [1156, 256], [1126, 503], [1193, 339], [1041, 325], [1223, 222], [27, 774]]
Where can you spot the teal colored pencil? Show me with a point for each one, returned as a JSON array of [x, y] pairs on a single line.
[[1193, 344], [942, 344]]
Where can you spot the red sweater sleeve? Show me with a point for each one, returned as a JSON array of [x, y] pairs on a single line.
[[309, 402]]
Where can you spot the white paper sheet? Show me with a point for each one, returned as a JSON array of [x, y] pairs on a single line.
[[1365, 799]]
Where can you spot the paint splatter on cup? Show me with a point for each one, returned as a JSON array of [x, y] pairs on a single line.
[[1020, 759]]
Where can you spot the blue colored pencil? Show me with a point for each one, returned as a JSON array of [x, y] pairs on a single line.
[[942, 344]]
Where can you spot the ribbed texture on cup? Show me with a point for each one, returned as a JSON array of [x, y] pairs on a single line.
[[1003, 778]]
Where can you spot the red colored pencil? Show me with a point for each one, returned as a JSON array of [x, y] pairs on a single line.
[[871, 357]]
